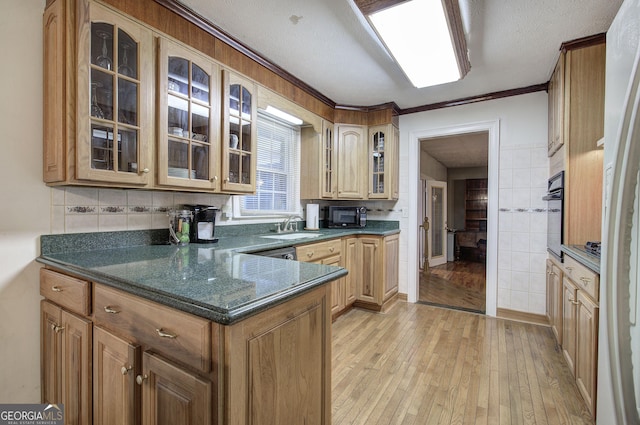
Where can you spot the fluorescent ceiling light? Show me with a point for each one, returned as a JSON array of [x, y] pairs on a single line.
[[417, 35], [283, 115]]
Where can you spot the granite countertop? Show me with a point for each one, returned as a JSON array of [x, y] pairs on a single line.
[[222, 281], [584, 257]]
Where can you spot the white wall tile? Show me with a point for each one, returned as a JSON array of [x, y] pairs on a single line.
[[505, 178], [520, 261], [79, 223], [520, 281], [504, 298], [505, 220], [539, 177], [538, 262], [505, 198], [521, 178], [522, 198], [139, 197], [537, 303], [112, 223], [519, 300], [57, 219], [539, 223], [504, 279], [520, 241], [112, 197], [538, 242], [57, 196], [81, 196], [522, 158], [138, 221], [538, 283]]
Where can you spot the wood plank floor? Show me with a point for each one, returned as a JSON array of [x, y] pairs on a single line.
[[418, 364], [459, 284]]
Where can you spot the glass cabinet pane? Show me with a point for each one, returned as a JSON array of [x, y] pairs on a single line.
[[377, 148], [188, 119], [239, 134], [114, 99]]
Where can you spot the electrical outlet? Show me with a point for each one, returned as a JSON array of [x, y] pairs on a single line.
[[405, 212]]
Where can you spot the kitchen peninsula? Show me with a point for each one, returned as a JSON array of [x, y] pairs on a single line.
[[205, 333]]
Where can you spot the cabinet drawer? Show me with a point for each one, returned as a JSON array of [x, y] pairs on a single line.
[[173, 333], [585, 278], [318, 251], [66, 291]]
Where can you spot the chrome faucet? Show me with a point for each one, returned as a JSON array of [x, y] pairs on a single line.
[[285, 226]]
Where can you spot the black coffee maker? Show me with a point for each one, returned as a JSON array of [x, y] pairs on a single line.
[[204, 223]]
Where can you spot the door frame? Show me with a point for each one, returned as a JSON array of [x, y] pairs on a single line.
[[414, 187], [443, 258]]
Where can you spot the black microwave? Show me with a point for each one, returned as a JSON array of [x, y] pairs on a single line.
[[345, 217]]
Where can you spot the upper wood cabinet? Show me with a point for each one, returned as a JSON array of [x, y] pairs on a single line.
[[188, 118], [351, 154], [576, 123], [318, 159], [98, 84], [239, 133], [382, 150]]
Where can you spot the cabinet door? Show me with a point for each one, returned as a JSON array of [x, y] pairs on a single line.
[[188, 118], [395, 164], [556, 313], [379, 162], [556, 107], [239, 135], [369, 287], [390, 266], [352, 163], [116, 399], [587, 349], [172, 395], [569, 322], [329, 159], [66, 362], [352, 264], [338, 291], [114, 98]]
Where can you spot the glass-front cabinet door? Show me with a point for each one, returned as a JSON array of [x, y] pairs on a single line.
[[379, 162], [329, 186], [239, 138], [114, 112], [188, 118], [383, 162]]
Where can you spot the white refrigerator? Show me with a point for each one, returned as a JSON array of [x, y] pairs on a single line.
[[618, 401]]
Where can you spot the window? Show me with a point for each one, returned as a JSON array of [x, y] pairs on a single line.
[[278, 170]]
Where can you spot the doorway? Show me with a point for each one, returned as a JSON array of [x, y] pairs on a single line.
[[490, 129], [457, 280]]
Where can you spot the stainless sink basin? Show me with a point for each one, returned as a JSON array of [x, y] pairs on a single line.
[[289, 236]]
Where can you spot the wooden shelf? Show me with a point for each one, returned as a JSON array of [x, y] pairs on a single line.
[[476, 205]]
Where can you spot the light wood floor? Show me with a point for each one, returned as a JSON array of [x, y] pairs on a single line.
[[459, 284], [418, 364]]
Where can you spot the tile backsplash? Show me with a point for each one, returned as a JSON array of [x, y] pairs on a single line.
[[86, 209]]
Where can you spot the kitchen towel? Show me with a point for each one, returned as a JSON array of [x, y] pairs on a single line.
[[313, 212]]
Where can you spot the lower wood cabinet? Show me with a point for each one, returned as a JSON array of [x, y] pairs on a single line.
[[66, 362], [554, 298], [578, 333]]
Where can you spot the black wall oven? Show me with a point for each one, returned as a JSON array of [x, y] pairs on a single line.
[[555, 214]]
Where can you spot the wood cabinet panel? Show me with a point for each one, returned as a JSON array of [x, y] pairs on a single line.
[[554, 299], [50, 353], [116, 397], [66, 291], [569, 322], [318, 251], [390, 266], [351, 153], [587, 349], [172, 395], [585, 278], [176, 334]]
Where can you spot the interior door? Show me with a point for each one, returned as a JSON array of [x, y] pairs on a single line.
[[436, 211]]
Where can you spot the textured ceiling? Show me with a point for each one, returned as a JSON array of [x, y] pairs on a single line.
[[328, 44], [459, 151]]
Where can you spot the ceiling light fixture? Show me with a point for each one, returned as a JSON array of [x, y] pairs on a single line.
[[425, 37], [283, 115]]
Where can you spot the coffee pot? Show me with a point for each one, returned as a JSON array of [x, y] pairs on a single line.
[[204, 221]]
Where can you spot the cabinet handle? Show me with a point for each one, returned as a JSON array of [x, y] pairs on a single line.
[[56, 328], [164, 334], [110, 310], [126, 369], [574, 302], [56, 289], [309, 254], [141, 378], [585, 280], [145, 171], [331, 249], [570, 269]]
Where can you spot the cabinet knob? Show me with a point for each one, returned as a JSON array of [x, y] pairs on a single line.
[[214, 179], [163, 334], [57, 328], [125, 369], [141, 378], [110, 310], [145, 171], [56, 289]]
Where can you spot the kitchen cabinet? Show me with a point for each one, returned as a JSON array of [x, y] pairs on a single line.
[[351, 154], [554, 299], [330, 253], [188, 118], [383, 152], [378, 283], [318, 159], [556, 107], [98, 91], [239, 134], [576, 125], [580, 326], [352, 260], [66, 341]]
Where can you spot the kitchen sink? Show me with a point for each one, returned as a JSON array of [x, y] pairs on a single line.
[[290, 236]]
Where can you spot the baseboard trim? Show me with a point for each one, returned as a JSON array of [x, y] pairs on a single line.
[[402, 297], [521, 316]]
